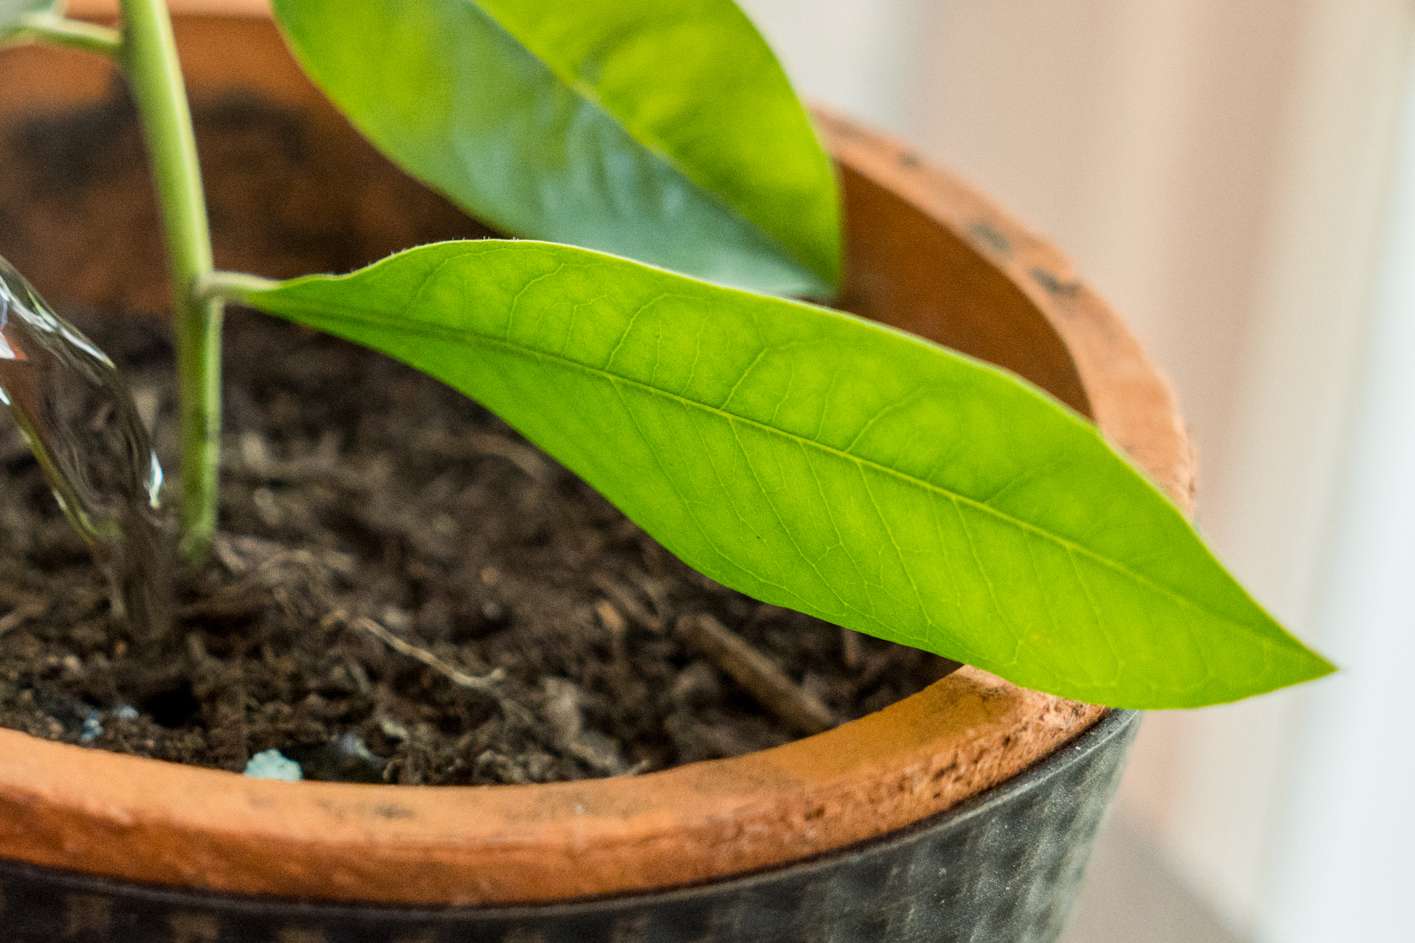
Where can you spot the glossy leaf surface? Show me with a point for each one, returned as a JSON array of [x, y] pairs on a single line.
[[663, 130], [822, 462]]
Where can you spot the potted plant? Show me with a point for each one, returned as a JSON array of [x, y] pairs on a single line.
[[811, 459]]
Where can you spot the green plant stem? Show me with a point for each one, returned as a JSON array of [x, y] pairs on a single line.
[[150, 59], [75, 34], [231, 286]]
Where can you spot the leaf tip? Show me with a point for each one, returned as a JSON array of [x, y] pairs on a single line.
[[1320, 665]]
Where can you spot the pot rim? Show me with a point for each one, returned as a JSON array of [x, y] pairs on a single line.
[[153, 822], [1102, 734]]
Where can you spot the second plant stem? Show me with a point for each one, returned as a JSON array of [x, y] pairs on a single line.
[[149, 57]]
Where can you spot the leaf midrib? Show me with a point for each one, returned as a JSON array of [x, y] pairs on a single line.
[[440, 332], [586, 94]]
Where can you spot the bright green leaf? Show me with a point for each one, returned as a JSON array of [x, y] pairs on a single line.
[[826, 463], [13, 11], [663, 130]]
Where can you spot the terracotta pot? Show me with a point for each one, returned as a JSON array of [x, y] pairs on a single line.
[[964, 812]]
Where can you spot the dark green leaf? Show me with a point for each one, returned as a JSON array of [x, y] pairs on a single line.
[[825, 463], [663, 130]]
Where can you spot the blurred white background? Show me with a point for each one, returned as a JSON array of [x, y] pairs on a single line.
[[1239, 179]]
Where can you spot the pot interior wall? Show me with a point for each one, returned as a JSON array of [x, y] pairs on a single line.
[[301, 192]]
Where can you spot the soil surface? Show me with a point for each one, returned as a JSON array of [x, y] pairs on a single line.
[[404, 591]]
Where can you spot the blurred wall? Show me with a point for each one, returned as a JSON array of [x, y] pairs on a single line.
[[1218, 171]]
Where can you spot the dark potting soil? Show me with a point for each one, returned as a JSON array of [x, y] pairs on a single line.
[[403, 591]]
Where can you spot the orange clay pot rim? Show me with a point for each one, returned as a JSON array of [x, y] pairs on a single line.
[[151, 821]]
